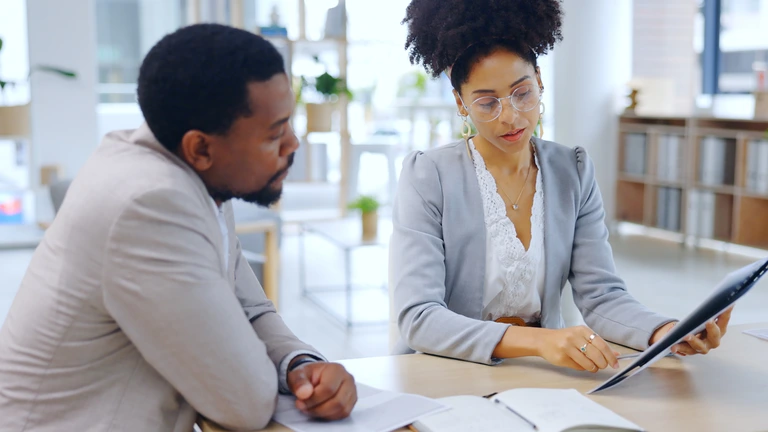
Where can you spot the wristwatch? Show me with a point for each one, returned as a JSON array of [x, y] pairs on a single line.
[[304, 360]]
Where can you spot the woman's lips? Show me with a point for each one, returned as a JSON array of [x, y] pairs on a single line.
[[514, 135]]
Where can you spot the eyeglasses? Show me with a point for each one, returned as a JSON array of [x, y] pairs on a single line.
[[488, 108]]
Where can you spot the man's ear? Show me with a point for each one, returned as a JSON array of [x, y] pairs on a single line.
[[196, 150]]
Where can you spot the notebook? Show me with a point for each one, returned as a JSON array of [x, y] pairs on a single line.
[[524, 409]]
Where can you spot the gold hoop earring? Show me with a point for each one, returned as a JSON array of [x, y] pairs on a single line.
[[466, 132], [466, 128], [542, 110]]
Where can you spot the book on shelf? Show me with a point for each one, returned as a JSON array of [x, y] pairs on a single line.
[[729, 164], [761, 167], [717, 161], [635, 154], [673, 209], [708, 215], [707, 210], [693, 215], [751, 182], [661, 208], [668, 201], [668, 159], [757, 167]]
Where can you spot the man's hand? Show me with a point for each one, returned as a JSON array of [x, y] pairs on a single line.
[[323, 390]]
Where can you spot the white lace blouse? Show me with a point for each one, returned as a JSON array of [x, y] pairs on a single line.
[[514, 277]]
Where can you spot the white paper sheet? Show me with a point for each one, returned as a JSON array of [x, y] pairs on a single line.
[[758, 333], [471, 414], [376, 411]]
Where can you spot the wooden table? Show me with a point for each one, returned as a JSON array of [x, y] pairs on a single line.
[[726, 390]]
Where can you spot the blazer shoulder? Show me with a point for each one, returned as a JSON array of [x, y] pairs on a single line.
[[121, 172], [568, 164]]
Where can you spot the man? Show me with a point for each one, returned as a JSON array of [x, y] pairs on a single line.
[[138, 309]]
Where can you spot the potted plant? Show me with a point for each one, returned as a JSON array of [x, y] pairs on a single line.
[[14, 119], [329, 90], [368, 207]]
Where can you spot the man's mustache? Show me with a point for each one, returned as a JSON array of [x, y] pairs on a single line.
[[284, 170]]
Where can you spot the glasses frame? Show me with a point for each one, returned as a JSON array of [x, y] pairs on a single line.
[[501, 102]]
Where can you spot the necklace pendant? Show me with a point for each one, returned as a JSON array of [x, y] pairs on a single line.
[[514, 206]]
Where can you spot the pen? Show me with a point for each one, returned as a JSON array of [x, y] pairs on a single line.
[[533, 425], [633, 355]]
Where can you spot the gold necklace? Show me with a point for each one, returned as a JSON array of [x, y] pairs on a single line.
[[515, 205]]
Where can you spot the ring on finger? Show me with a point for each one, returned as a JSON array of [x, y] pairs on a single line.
[[583, 348], [592, 337]]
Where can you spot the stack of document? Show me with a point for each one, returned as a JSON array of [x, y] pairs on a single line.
[[376, 411]]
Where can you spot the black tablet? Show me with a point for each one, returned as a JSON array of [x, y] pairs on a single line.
[[732, 288]]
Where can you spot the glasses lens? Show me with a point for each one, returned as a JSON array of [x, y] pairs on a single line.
[[485, 109], [526, 98]]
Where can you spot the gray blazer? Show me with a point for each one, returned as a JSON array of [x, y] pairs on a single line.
[[127, 320], [438, 255]]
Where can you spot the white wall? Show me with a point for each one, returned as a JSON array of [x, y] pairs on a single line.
[[665, 64], [591, 69], [64, 125], [156, 19], [14, 66], [14, 62]]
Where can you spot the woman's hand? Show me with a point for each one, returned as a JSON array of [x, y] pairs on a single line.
[[577, 348], [702, 342]]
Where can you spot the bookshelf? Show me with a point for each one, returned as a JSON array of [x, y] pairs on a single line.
[[303, 47], [698, 177]]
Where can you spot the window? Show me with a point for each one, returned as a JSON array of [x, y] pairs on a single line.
[[735, 45], [743, 44], [125, 31]]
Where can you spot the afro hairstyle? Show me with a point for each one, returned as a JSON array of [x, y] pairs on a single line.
[[452, 35]]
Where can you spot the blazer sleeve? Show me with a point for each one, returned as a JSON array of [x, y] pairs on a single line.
[[599, 293], [164, 285], [282, 345], [418, 273]]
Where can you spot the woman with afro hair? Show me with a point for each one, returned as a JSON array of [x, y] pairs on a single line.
[[488, 230]]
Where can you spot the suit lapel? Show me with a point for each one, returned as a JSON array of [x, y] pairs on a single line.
[[475, 237], [550, 303]]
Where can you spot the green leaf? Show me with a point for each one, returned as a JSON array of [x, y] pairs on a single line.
[[63, 72], [365, 203], [327, 85], [1, 44]]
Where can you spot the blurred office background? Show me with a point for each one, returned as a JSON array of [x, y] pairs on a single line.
[[684, 176]]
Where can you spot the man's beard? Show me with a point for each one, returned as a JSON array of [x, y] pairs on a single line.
[[264, 197]]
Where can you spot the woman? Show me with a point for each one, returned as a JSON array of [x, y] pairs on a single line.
[[488, 230]]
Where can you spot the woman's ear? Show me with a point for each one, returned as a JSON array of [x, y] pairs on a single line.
[[459, 103], [538, 77]]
